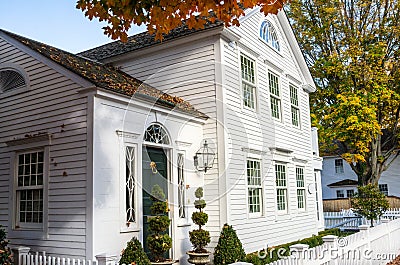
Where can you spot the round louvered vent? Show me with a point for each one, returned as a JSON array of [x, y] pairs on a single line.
[[10, 80]]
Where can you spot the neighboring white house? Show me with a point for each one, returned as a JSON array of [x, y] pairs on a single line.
[[79, 133], [340, 181]]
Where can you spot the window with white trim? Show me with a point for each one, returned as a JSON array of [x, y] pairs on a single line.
[[130, 185], [247, 67], [301, 191], [339, 166], [273, 82], [268, 34], [281, 187], [254, 188], [350, 193], [181, 187], [294, 102], [29, 189]]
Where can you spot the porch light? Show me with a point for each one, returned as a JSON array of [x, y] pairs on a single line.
[[204, 158]]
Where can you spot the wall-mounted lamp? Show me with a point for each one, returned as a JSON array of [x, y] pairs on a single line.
[[204, 158]]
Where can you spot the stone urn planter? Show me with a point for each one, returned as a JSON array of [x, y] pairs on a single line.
[[198, 258]]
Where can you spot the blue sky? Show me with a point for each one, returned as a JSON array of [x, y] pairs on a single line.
[[54, 22]]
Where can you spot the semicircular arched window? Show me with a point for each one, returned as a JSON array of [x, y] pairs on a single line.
[[155, 133], [10, 80], [268, 34]]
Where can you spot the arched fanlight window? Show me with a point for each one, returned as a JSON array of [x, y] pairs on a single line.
[[10, 80], [268, 34], [155, 133]]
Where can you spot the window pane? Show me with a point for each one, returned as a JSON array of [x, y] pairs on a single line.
[[247, 68], [275, 107], [295, 116], [300, 198], [249, 96], [294, 100], [273, 84], [281, 199], [253, 172]]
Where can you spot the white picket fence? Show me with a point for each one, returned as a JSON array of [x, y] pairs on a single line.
[[371, 246], [347, 219], [36, 259]]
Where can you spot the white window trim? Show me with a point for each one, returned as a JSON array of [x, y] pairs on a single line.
[[301, 188], [255, 84], [280, 119], [262, 211]]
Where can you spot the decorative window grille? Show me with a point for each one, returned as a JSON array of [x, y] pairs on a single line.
[[301, 192], [29, 190], [274, 90], [339, 166], [155, 133], [10, 80], [268, 34], [294, 101], [254, 187], [130, 184], [281, 187], [248, 82], [181, 187]]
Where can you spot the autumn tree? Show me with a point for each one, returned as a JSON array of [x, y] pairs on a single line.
[[164, 15], [352, 49]]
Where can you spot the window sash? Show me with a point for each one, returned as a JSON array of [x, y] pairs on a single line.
[[273, 82], [275, 107], [247, 69], [340, 194], [301, 198], [294, 99], [295, 116], [29, 189], [254, 199], [339, 166], [280, 175], [281, 199], [249, 95], [300, 177]]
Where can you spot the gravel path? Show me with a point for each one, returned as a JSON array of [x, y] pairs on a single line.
[[396, 261]]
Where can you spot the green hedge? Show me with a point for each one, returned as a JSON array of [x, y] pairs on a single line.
[[271, 254]]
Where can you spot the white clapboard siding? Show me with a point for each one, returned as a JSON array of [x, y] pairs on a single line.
[[51, 105]]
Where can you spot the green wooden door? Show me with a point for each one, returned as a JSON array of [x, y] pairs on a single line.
[[149, 179]]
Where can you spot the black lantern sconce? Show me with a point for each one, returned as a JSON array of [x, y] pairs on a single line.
[[204, 158]]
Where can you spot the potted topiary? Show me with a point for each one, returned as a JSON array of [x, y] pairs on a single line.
[[134, 254], [199, 237], [159, 241]]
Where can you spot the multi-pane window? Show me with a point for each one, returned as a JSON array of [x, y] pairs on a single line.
[[294, 101], [273, 82], [253, 173], [301, 192], [384, 189], [339, 194], [281, 187], [350, 193], [248, 82], [181, 187], [29, 190], [130, 184], [339, 166]]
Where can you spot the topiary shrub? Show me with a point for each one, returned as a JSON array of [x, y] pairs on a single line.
[[134, 254], [159, 241], [229, 248], [199, 237], [5, 253]]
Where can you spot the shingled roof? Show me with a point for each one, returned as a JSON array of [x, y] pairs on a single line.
[[345, 182], [141, 40], [108, 77]]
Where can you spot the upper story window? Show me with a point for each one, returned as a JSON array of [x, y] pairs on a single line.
[[384, 189], [247, 67], [339, 166], [10, 80], [294, 102], [268, 34], [273, 82], [155, 133], [340, 194]]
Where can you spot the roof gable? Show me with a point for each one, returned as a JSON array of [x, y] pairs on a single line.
[[106, 76]]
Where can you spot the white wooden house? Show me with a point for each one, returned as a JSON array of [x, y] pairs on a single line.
[[340, 181], [79, 132]]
